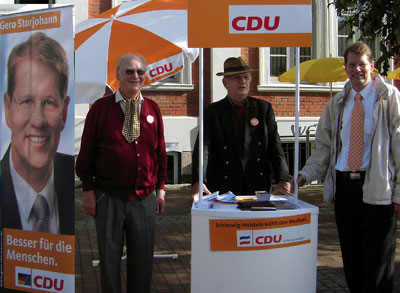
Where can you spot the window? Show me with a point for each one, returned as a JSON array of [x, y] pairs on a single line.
[[282, 59], [344, 41], [343, 36], [276, 61], [330, 39]]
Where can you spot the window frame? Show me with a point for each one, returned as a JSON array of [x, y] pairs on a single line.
[[356, 37], [325, 44], [268, 83]]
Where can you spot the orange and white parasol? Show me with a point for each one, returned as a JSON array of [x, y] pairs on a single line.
[[156, 29]]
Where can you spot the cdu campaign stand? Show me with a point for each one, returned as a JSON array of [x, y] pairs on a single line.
[[257, 250], [237, 250]]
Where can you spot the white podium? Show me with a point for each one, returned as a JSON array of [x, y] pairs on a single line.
[[291, 268]]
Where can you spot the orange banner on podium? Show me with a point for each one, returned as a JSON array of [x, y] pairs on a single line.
[[256, 234]]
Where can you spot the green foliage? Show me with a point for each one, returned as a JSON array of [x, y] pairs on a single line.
[[376, 19]]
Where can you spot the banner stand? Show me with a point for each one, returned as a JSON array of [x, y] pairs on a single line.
[[272, 251]]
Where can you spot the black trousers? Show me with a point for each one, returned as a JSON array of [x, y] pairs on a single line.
[[367, 235]]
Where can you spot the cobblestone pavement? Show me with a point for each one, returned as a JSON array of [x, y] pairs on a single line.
[[173, 236]]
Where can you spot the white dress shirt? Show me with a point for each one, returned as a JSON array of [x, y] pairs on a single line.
[[26, 196], [369, 95], [120, 99]]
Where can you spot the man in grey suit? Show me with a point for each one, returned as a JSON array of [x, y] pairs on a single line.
[[241, 140], [37, 182]]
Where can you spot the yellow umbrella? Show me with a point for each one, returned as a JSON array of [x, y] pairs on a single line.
[[317, 70], [395, 74], [329, 69]]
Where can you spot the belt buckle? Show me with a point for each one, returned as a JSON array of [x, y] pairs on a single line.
[[355, 175]]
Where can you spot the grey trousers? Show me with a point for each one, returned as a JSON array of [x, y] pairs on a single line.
[[133, 221]]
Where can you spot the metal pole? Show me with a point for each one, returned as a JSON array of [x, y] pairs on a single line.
[[201, 98], [296, 125]]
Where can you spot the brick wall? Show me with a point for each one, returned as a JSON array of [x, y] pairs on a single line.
[[186, 103], [311, 105], [178, 103], [96, 7]]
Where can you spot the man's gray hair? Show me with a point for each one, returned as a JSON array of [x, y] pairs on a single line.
[[128, 57]]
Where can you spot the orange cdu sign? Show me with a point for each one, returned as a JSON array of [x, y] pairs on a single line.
[[250, 23]]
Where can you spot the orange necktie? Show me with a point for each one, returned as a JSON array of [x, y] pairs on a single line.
[[356, 135]]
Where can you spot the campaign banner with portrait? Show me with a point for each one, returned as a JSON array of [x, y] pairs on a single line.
[[37, 150]]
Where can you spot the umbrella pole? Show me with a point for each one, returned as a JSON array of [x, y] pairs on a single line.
[[296, 125], [331, 89], [201, 146]]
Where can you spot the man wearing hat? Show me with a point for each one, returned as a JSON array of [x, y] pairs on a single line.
[[241, 140]]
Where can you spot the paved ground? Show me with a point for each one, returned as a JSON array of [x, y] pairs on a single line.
[[173, 235]]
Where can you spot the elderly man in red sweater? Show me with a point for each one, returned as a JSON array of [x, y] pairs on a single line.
[[122, 165]]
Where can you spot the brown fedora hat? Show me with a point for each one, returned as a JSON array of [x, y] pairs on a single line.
[[234, 65]]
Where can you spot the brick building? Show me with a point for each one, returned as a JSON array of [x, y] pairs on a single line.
[[178, 96]]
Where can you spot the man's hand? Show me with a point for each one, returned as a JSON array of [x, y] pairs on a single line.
[[160, 207], [300, 181], [89, 202], [282, 188], [195, 192]]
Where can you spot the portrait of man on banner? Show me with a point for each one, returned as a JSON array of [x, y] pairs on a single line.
[[37, 190]]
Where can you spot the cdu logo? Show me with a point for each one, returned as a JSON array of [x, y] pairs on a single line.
[[23, 277], [43, 280], [244, 238], [163, 69], [250, 238]]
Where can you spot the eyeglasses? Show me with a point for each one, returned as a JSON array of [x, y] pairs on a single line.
[[353, 66], [51, 106], [132, 71]]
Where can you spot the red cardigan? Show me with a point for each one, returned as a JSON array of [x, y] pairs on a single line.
[[108, 162]]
